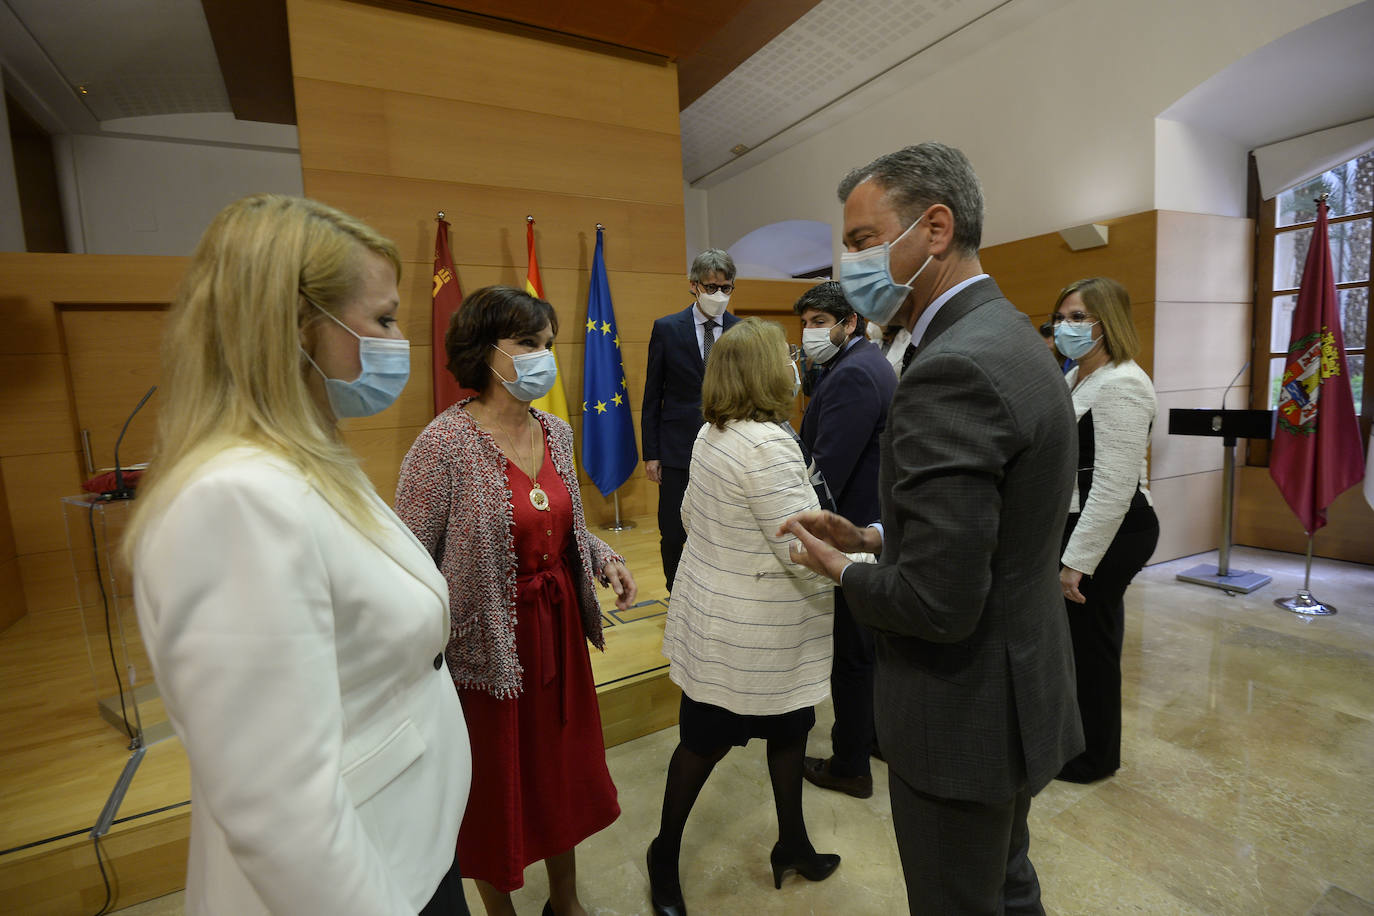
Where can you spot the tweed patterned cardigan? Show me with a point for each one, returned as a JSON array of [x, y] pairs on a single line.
[[453, 493]]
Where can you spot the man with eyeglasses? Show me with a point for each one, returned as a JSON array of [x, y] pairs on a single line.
[[678, 348]]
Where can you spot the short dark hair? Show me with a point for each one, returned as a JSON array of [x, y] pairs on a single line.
[[828, 297], [918, 177], [486, 316]]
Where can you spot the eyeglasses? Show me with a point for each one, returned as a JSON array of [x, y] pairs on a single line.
[[794, 352], [1077, 317], [713, 288]]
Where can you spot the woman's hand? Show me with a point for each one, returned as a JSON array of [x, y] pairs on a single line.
[[1068, 581], [622, 583]]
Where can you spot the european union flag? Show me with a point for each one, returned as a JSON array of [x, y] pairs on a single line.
[[609, 453]]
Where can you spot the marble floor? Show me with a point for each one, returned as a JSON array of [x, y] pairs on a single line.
[[1247, 785]]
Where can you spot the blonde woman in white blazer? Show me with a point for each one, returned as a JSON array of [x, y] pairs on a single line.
[[295, 625], [748, 635]]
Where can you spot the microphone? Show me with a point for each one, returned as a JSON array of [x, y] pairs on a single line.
[[1223, 394], [120, 491]]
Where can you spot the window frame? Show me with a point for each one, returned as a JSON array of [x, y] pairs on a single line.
[[1263, 212]]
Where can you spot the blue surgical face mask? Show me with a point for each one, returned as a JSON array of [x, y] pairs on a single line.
[[385, 370], [1074, 338], [866, 279], [535, 374]]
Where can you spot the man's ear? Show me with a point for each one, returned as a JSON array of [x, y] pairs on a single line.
[[939, 222]]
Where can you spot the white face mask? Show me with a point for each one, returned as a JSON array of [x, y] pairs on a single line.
[[712, 304], [818, 346]]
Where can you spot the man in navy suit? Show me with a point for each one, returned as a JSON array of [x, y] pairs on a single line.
[[841, 429], [671, 418]]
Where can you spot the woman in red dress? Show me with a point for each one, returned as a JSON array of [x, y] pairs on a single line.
[[490, 489]]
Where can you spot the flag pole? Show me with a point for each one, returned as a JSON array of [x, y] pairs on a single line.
[[618, 525], [1304, 602]]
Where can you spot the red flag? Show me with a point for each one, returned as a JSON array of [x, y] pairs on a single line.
[[1317, 453], [448, 298]]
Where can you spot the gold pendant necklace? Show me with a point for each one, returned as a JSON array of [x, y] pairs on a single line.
[[538, 498]]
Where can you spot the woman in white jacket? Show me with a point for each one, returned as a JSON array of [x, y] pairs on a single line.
[[1112, 528], [295, 626], [748, 634]]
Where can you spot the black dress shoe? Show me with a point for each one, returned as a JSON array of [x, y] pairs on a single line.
[[817, 772], [548, 908], [813, 866], [665, 893]]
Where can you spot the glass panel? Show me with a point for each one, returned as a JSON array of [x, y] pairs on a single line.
[[1351, 187], [1275, 379], [1356, 364], [1354, 317], [1354, 304], [1349, 243], [1282, 331]]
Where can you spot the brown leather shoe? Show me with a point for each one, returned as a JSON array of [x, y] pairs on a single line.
[[817, 772]]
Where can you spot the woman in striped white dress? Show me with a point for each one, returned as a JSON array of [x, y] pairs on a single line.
[[748, 632]]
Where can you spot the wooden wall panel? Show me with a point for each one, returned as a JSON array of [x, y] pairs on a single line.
[[12, 605], [1032, 271], [331, 42], [487, 224], [490, 125], [360, 129], [39, 447], [1263, 519]]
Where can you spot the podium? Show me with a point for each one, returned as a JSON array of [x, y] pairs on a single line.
[[1229, 425]]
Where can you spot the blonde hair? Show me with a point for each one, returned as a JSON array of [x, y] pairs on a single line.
[[233, 372], [1107, 301], [747, 376]]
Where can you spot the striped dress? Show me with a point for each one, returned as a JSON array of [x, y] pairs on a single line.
[[747, 630]]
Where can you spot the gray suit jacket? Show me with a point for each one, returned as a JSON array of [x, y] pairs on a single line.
[[975, 679]]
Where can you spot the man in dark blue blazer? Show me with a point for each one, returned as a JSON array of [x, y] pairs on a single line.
[[841, 429], [671, 417]]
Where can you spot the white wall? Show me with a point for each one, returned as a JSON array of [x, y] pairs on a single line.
[[11, 217], [1058, 117], [694, 215], [1198, 170], [149, 196]]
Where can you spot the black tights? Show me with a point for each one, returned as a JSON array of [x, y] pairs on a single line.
[[687, 773]]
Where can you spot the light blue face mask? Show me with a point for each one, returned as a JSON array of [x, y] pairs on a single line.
[[866, 279], [386, 369], [1074, 338], [535, 374]]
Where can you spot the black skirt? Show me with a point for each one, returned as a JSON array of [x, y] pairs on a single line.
[[705, 729]]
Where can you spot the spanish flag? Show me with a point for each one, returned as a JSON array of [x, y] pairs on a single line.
[[555, 402]]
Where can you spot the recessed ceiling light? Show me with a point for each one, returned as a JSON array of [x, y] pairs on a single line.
[[739, 149], [83, 90]]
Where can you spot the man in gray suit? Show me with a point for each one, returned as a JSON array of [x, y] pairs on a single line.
[[975, 704]]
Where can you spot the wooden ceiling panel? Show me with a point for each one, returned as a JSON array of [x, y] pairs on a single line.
[[669, 28]]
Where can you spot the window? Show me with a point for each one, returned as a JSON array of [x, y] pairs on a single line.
[[1284, 233]]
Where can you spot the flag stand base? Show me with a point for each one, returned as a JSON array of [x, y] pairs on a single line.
[[618, 524], [1243, 582], [1304, 603]]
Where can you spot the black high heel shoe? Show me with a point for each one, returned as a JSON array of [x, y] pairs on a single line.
[[666, 900], [813, 866]]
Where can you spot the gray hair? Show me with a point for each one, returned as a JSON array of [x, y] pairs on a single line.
[[918, 177], [710, 261]]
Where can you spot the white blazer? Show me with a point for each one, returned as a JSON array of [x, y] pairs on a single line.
[[301, 664], [747, 629]]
